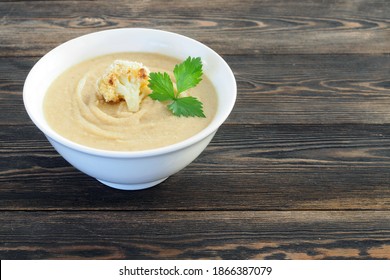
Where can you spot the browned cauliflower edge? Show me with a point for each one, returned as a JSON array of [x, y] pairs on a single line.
[[124, 80]]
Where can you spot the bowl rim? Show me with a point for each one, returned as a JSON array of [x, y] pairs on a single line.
[[211, 128]]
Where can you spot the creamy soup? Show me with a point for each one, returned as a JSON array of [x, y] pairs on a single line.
[[73, 108]]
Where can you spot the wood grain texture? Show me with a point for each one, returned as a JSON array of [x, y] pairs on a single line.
[[229, 27], [300, 169], [245, 167], [195, 235]]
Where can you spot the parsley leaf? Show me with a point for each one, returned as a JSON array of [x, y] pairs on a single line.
[[187, 106], [188, 74], [162, 86]]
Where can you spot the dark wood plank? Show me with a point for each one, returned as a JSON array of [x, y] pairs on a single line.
[[13, 72], [229, 27], [195, 235], [322, 89], [300, 170], [272, 89], [279, 167]]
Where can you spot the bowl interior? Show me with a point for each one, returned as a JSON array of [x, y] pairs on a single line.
[[126, 40]]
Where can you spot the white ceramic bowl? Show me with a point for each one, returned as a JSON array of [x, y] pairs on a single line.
[[129, 170]]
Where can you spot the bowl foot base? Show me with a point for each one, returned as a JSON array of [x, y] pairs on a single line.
[[131, 187]]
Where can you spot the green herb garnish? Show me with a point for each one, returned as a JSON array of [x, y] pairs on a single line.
[[187, 74]]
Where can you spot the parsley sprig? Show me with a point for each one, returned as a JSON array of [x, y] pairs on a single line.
[[188, 74]]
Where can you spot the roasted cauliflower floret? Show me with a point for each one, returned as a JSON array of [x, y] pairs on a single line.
[[124, 80]]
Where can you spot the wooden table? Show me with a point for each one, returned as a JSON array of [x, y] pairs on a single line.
[[300, 170]]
